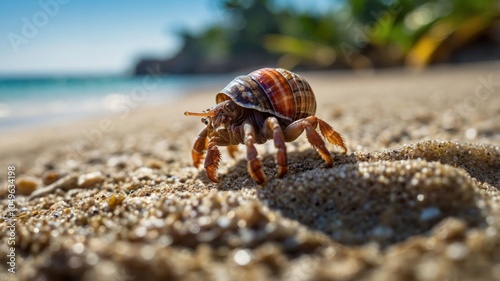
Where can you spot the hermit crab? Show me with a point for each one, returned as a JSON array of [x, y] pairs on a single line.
[[268, 103]]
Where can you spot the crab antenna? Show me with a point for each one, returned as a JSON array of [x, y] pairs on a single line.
[[204, 114]]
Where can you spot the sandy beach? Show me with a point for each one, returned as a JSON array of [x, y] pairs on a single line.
[[416, 197]]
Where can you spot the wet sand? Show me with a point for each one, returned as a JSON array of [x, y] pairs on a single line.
[[415, 198]]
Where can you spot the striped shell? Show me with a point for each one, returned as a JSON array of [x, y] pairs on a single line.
[[272, 90]]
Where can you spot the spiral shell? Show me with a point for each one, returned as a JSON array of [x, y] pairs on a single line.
[[273, 90]]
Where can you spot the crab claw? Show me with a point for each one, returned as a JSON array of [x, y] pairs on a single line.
[[200, 144], [212, 162]]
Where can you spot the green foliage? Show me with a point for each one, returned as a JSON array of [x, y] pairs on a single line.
[[353, 33]]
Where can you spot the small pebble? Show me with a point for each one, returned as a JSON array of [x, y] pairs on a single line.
[[457, 251], [50, 177], [242, 257], [155, 164], [471, 133], [144, 173], [117, 161], [90, 179], [383, 231], [115, 200], [26, 185], [430, 213], [450, 229]]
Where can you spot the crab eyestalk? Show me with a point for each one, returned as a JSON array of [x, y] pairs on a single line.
[[202, 114]]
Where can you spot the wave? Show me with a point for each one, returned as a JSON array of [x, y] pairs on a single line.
[[36, 101]]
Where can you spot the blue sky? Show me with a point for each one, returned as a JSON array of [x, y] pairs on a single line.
[[45, 37]]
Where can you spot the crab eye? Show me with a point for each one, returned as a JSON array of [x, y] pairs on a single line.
[[230, 106]]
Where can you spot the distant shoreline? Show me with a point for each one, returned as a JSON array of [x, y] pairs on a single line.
[[32, 102]]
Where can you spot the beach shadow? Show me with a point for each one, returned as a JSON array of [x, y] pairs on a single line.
[[385, 197]]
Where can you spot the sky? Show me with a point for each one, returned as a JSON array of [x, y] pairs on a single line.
[[67, 37]]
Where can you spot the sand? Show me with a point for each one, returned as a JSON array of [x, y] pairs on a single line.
[[415, 198]]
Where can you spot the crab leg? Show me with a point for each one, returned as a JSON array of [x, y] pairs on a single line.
[[232, 149], [212, 160], [199, 146], [273, 130], [254, 164], [309, 124], [315, 139]]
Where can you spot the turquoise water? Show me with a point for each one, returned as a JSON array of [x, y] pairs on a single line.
[[26, 102]]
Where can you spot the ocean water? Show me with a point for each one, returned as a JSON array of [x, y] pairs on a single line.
[[37, 101]]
